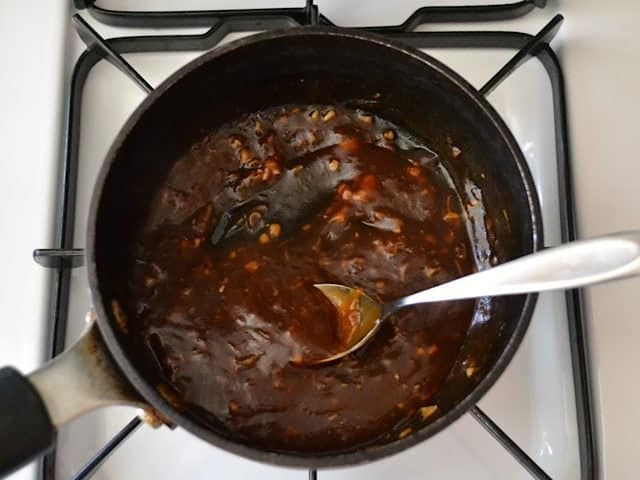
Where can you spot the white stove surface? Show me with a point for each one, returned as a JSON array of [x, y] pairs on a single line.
[[533, 401]]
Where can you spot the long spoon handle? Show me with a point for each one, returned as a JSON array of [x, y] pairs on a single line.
[[571, 265]]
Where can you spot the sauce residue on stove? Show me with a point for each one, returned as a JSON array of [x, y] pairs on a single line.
[[247, 221]]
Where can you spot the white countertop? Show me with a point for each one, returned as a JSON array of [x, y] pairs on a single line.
[[601, 59]]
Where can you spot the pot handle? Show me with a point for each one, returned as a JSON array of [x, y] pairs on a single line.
[[26, 430], [32, 407]]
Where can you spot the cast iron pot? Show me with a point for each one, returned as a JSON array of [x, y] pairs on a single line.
[[305, 65]]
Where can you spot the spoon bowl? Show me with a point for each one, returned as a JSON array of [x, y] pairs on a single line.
[[349, 301]]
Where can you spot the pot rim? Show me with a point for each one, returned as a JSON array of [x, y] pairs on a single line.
[[362, 454]]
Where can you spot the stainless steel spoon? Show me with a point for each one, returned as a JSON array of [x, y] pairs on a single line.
[[570, 265]]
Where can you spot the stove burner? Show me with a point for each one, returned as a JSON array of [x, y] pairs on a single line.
[[64, 257]]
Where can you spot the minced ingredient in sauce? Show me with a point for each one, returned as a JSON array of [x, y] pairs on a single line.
[[246, 222]]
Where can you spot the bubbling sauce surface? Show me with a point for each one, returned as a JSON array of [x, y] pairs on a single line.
[[246, 222]]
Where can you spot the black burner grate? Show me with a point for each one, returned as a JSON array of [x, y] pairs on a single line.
[[64, 257]]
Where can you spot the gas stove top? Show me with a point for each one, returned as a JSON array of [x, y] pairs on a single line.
[[541, 403]]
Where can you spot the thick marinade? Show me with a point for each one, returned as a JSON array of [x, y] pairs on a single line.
[[247, 221]]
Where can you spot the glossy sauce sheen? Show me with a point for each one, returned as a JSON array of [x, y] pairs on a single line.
[[248, 220]]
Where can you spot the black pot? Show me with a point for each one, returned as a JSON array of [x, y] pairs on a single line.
[[305, 65]]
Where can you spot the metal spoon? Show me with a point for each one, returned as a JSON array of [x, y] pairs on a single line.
[[570, 265]]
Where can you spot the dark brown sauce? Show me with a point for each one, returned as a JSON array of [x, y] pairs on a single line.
[[246, 223]]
